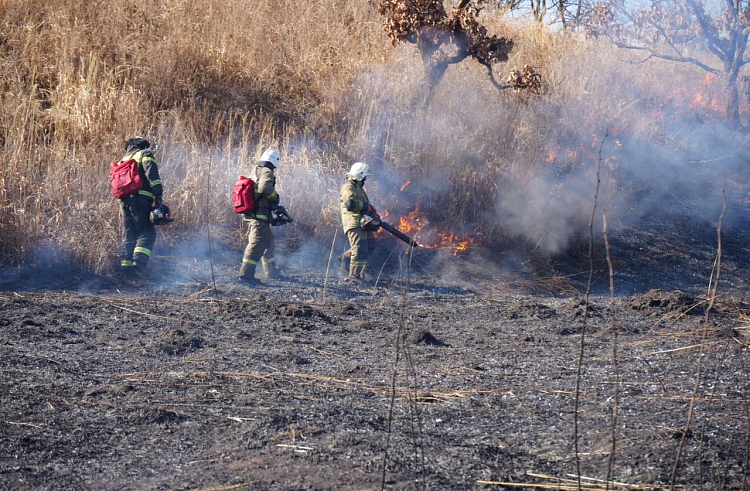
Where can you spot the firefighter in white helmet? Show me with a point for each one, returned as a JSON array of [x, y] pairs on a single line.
[[354, 203], [260, 243]]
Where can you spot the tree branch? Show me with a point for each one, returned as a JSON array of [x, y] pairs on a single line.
[[680, 59], [706, 28], [742, 43], [666, 37], [497, 85]]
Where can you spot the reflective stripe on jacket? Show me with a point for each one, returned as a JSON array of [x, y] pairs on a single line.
[[149, 172], [355, 191], [265, 193]]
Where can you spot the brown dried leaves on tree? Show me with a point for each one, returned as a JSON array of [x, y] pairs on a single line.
[[426, 24], [527, 79]]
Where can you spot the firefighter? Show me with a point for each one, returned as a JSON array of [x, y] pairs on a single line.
[[260, 246], [354, 203], [139, 233]]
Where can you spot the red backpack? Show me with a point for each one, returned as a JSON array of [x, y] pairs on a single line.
[[125, 178], [244, 195]]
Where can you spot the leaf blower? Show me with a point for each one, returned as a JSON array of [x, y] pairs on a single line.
[[279, 216], [371, 222], [160, 215]]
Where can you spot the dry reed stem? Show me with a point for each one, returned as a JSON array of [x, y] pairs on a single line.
[[613, 325], [330, 257], [699, 362], [704, 423], [563, 487], [225, 488], [400, 345], [579, 366]]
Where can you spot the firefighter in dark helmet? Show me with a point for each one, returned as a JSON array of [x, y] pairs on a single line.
[[135, 208], [260, 243], [354, 203]]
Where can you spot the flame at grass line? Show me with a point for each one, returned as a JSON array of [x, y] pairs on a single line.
[[428, 238]]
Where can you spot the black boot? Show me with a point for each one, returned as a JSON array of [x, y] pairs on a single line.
[[247, 274]]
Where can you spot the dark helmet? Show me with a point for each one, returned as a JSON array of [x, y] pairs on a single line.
[[137, 143]]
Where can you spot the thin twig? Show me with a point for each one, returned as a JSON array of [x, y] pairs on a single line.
[[415, 413], [399, 341], [708, 411], [653, 372], [586, 313], [330, 257], [747, 417], [226, 488], [135, 311], [382, 268], [615, 408], [208, 221], [703, 343]]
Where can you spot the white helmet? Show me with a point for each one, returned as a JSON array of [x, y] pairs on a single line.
[[359, 171], [271, 156]]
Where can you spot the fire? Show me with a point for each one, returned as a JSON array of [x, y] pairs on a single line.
[[706, 102], [550, 156], [405, 185], [415, 223]]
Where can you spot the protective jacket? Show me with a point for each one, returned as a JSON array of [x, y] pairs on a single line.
[[152, 187], [139, 234], [355, 191], [260, 242], [265, 193]]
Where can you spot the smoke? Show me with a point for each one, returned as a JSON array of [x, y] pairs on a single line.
[[523, 167], [502, 168]]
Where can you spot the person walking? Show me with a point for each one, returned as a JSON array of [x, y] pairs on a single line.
[[354, 203], [136, 183], [260, 242]]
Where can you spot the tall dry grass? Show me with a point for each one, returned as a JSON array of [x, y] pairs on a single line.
[[213, 83]]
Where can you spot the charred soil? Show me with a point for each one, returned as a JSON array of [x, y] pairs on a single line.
[[278, 387]]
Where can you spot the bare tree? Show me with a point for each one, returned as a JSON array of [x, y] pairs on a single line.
[[539, 9], [672, 29]]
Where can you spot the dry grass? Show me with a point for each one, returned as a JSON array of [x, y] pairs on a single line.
[[212, 83]]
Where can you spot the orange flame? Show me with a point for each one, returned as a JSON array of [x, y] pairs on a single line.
[[414, 222], [405, 185]]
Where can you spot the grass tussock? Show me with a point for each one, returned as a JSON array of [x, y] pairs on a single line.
[[213, 83]]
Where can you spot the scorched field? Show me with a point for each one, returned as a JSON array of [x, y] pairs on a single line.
[[453, 384]]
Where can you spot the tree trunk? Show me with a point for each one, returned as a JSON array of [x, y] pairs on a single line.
[[733, 105]]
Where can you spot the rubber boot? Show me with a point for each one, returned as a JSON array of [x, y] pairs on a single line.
[[343, 263], [139, 271], [271, 269], [247, 274], [357, 269]]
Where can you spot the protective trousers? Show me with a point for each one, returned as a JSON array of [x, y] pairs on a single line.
[[362, 244], [138, 232], [260, 246]]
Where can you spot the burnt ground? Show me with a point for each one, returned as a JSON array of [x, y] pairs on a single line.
[[109, 384]]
